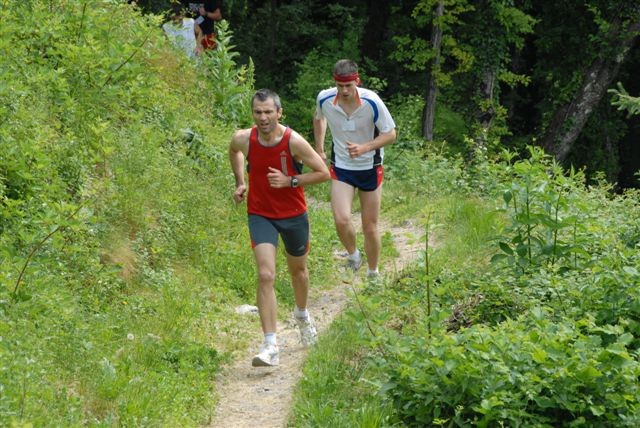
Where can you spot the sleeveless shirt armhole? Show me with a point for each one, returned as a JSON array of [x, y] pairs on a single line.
[[298, 165], [252, 135]]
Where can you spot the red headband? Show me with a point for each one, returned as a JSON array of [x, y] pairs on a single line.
[[347, 77]]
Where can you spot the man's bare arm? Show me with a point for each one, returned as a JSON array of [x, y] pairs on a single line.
[[302, 151], [319, 134], [237, 149]]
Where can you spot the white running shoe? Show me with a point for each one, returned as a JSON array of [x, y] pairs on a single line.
[[354, 264], [267, 357], [308, 334]]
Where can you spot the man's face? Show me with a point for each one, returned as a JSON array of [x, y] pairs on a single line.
[[266, 115], [346, 90]]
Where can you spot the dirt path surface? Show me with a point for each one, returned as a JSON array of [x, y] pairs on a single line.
[[262, 397]]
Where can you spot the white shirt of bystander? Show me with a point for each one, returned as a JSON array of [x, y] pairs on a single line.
[[182, 36]]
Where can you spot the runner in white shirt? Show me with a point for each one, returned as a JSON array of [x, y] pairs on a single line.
[[360, 126]]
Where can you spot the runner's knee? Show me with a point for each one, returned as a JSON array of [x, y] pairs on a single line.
[[300, 275], [342, 220], [370, 228], [266, 276]]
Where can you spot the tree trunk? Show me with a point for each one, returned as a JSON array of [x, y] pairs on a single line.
[[378, 12], [429, 112], [485, 117], [568, 120], [273, 35]]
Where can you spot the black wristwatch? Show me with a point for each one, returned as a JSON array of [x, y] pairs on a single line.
[[294, 181]]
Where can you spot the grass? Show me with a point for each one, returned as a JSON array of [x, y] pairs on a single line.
[[145, 346], [342, 378], [333, 389]]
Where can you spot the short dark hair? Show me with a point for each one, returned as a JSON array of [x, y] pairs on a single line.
[[264, 95], [345, 67], [177, 10]]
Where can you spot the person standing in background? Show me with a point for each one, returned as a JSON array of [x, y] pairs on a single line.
[[183, 32], [207, 13], [361, 126]]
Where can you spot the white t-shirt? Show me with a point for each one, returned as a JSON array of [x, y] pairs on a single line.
[[182, 36], [359, 127]]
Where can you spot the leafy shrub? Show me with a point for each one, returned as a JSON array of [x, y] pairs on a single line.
[[314, 74], [228, 86], [528, 372], [450, 127], [509, 362], [545, 222]]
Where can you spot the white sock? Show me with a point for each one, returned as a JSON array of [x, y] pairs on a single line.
[[270, 338], [301, 314], [372, 271], [355, 255]]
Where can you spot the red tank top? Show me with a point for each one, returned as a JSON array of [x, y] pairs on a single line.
[[263, 199]]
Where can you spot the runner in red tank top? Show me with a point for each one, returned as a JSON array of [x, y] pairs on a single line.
[[264, 200], [276, 208]]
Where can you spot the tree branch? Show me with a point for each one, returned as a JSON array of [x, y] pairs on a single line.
[[41, 243]]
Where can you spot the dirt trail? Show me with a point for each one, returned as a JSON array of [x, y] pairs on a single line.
[[262, 397]]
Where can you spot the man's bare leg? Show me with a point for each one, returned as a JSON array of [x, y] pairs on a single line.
[[265, 255], [370, 207], [299, 279], [341, 203]]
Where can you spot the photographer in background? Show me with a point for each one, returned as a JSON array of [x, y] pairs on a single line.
[[206, 14]]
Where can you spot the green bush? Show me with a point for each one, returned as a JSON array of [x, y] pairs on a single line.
[[228, 87], [449, 126], [547, 214], [314, 75], [544, 338], [526, 372], [504, 360]]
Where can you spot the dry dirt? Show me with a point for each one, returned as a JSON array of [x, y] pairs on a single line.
[[262, 397]]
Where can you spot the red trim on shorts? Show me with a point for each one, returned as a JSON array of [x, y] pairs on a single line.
[[380, 173], [332, 173], [209, 41]]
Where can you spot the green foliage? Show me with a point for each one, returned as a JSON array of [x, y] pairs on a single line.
[[314, 74], [418, 53], [229, 86], [597, 31], [314, 71], [529, 372], [120, 257], [624, 101], [540, 343], [543, 230], [475, 55], [278, 36], [450, 127]]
